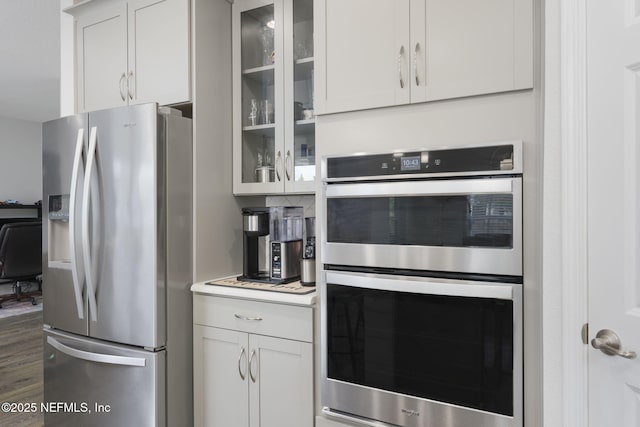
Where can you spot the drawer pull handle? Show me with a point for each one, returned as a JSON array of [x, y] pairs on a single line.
[[251, 319]]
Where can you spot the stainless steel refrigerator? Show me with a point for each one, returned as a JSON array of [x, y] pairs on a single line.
[[117, 262]]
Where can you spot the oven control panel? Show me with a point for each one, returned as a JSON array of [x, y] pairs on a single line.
[[482, 159]]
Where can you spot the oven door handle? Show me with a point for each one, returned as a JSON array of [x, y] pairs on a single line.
[[422, 285], [423, 188]]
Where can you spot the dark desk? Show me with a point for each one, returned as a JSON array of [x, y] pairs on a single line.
[[19, 213]]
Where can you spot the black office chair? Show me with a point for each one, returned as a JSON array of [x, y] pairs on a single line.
[[21, 257]]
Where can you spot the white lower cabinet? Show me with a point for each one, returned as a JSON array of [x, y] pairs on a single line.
[[245, 379]]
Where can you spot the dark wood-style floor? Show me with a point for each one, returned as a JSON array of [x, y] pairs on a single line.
[[21, 368]]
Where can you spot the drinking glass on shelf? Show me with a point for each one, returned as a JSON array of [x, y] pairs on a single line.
[[266, 112], [268, 53], [300, 49], [253, 112]]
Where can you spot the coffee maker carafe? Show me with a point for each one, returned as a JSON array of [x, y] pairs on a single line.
[[255, 244], [286, 242]]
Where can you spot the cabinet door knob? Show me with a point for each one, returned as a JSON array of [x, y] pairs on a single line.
[[122, 94]]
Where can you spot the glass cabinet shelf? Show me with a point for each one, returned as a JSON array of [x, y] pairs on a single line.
[[303, 69], [259, 73], [266, 130], [304, 60], [305, 126]]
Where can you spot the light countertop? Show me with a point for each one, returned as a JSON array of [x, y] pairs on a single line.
[[204, 288]]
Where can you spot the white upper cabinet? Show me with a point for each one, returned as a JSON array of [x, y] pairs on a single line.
[[406, 51], [132, 52], [359, 59], [102, 58], [159, 51]]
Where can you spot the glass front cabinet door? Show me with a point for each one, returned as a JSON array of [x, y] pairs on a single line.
[[274, 121]]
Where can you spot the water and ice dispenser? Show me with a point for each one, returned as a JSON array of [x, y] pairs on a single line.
[[58, 237]]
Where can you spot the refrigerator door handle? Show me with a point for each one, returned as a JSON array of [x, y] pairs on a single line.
[[76, 268], [86, 194], [96, 357]]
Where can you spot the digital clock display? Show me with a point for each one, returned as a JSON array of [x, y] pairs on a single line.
[[410, 163]]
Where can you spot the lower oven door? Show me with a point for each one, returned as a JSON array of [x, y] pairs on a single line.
[[413, 351], [471, 225]]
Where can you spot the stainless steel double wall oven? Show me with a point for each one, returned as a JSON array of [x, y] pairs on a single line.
[[422, 287]]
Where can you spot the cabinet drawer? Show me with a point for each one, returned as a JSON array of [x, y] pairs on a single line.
[[272, 319]]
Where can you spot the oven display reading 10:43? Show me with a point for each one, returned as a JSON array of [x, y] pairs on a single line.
[[411, 163]]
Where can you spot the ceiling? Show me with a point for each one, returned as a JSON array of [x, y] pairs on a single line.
[[30, 59]]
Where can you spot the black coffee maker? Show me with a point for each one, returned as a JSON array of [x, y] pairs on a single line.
[[255, 245]]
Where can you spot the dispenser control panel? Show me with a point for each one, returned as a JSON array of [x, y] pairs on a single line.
[[59, 207]]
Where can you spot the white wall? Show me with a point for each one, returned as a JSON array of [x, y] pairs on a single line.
[[20, 160], [217, 213]]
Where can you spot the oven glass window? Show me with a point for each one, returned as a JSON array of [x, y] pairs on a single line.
[[457, 350], [475, 220]]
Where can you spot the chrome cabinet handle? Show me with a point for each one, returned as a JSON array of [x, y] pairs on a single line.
[[415, 63], [608, 342], [400, 56], [239, 365], [241, 317], [278, 165], [122, 94], [253, 378], [288, 161], [129, 85]]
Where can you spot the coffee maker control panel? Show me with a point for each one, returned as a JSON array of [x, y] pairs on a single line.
[[285, 260], [276, 261]]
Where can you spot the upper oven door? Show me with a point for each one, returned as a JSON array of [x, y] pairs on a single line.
[[458, 225]]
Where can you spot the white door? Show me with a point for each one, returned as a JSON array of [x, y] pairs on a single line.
[[613, 111]]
